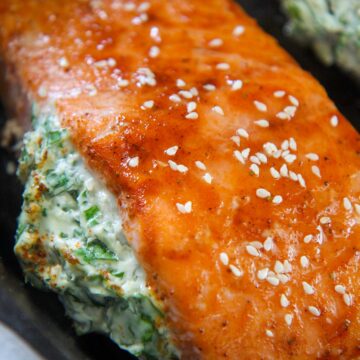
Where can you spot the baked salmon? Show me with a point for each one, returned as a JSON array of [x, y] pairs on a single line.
[[237, 179]]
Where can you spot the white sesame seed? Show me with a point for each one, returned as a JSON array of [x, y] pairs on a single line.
[[285, 145], [255, 169], [290, 110], [175, 98], [269, 148], [252, 250], [347, 299], [223, 66], [186, 94], [257, 244], [238, 30], [273, 280], [287, 266], [284, 171], [316, 171], [283, 115], [268, 243], [155, 34], [312, 156], [289, 319], [216, 42], [290, 158], [148, 104], [224, 258], [279, 267], [245, 153], [274, 173], [285, 153], [208, 178], [191, 106], [320, 236], [236, 140], [236, 85], [308, 238], [262, 157], [277, 154], [340, 289], [133, 162], [309, 290], [154, 51], [239, 156], [279, 93], [262, 123], [236, 271], [294, 100], [218, 110], [325, 220], [262, 274], [314, 310], [347, 204], [301, 181], [63, 62], [200, 165], [357, 208], [283, 278], [194, 91], [293, 176], [304, 261], [186, 208], [277, 199], [292, 144], [243, 133], [260, 106], [284, 302], [182, 169], [209, 87], [192, 116], [180, 83], [263, 193], [334, 121], [171, 151], [173, 165], [269, 333]]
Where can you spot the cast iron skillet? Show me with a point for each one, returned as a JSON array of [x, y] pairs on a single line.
[[39, 317]]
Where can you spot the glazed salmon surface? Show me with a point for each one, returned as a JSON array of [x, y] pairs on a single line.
[[237, 178]]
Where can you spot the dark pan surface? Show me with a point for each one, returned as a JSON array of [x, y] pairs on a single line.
[[39, 317]]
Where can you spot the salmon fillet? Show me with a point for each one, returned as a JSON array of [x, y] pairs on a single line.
[[238, 180]]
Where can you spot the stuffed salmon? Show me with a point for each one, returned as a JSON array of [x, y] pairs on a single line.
[[190, 191]]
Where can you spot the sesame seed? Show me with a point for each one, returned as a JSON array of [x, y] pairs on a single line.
[[191, 106], [173, 165], [293, 176], [279, 93], [200, 165], [262, 157], [334, 121], [308, 238], [182, 168], [224, 258], [209, 87], [284, 302], [268, 243], [283, 278], [174, 98], [347, 299], [269, 333], [255, 169], [312, 156], [284, 171], [192, 116], [273, 280], [180, 83], [314, 310], [283, 115], [347, 204], [276, 154], [285, 145], [63, 62], [218, 110], [340, 289], [263, 193], [357, 209], [133, 162], [262, 123], [309, 290], [325, 220], [292, 144], [269, 148], [238, 30], [245, 153], [223, 66], [262, 274], [252, 250], [171, 151], [285, 153], [236, 85], [243, 133], [255, 160], [304, 261], [274, 173], [186, 208], [257, 244], [260, 106], [316, 171], [155, 34], [290, 110], [154, 51], [194, 91], [301, 181], [294, 100], [279, 267], [216, 42], [277, 199], [186, 94], [236, 271], [208, 178], [239, 156], [321, 234], [148, 104], [290, 158], [236, 140], [289, 319]]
